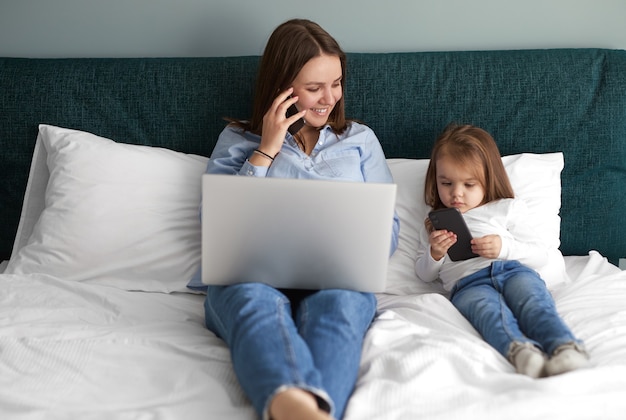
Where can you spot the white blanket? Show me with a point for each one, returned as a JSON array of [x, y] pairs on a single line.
[[423, 360], [70, 350]]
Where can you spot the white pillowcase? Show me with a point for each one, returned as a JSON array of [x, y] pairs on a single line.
[[128, 216], [110, 213], [536, 178]]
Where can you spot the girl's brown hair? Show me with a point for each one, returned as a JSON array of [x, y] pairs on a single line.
[[474, 149], [289, 48]]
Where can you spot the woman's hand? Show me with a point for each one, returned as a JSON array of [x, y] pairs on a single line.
[[488, 246], [276, 123], [440, 241]]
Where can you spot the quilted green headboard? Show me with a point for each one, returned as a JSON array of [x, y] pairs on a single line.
[[570, 100]]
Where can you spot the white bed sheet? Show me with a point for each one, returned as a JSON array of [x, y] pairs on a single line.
[[70, 350], [422, 359], [74, 351]]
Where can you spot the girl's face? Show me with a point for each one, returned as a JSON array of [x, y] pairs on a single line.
[[457, 187], [318, 88]]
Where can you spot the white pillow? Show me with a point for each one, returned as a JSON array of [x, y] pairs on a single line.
[[111, 213], [127, 216], [536, 178]]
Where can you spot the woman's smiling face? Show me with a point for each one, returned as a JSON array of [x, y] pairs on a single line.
[[318, 88]]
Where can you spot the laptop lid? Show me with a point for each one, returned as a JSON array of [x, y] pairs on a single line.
[[296, 233]]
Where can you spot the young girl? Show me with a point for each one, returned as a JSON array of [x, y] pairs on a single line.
[[499, 292]]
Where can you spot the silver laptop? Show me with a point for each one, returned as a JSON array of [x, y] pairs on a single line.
[[296, 233]]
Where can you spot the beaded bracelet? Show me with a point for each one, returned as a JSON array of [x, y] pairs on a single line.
[[264, 154]]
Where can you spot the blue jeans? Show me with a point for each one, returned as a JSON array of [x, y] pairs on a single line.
[[312, 341], [508, 302]]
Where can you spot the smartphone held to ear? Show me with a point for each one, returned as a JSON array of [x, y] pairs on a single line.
[[295, 127]]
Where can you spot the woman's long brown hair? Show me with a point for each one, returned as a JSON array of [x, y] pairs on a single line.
[[289, 48]]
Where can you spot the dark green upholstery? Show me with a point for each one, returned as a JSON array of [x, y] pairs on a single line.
[[570, 100]]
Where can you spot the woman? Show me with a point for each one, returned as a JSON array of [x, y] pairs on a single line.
[[296, 353]]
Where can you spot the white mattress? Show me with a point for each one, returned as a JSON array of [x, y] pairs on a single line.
[[70, 350]]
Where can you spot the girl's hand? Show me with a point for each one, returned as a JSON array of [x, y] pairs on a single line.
[[488, 246], [440, 241], [276, 123]]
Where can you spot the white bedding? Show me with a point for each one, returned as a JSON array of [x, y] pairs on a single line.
[[72, 350], [110, 331], [422, 360]]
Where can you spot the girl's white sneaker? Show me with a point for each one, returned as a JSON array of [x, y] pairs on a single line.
[[528, 359], [566, 358]]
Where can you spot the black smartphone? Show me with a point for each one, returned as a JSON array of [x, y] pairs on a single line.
[[451, 219], [295, 127]]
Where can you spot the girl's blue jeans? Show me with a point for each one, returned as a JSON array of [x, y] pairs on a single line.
[[508, 302], [312, 341]]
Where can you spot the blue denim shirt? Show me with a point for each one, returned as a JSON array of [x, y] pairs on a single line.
[[354, 155]]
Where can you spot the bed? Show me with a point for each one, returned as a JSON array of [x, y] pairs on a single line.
[[101, 163]]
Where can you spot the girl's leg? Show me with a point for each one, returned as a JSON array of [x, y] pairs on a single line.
[[479, 300], [477, 297], [531, 302], [268, 354], [333, 323]]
